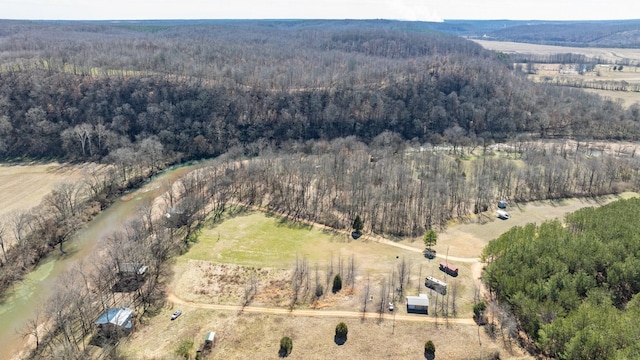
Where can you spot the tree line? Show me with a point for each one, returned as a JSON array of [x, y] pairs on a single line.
[[28, 235], [617, 34], [404, 189], [611, 85]]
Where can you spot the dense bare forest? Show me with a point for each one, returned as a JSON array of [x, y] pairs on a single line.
[[401, 190], [88, 91]]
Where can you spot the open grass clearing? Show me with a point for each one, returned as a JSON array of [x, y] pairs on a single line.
[[218, 267], [468, 237], [242, 335], [261, 240]]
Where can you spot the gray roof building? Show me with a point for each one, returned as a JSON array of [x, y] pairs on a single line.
[[418, 304], [120, 317]]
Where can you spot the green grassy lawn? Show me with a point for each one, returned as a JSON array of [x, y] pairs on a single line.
[[260, 240]]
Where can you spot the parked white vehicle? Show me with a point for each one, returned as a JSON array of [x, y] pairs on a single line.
[[503, 214], [176, 314]]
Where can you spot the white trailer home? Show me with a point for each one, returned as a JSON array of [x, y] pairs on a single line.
[[436, 285]]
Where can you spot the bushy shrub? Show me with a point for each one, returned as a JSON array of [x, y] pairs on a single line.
[[429, 348], [341, 330]]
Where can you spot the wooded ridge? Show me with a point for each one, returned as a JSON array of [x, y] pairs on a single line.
[[85, 91]]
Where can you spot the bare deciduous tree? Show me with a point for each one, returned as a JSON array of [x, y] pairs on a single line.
[[250, 289], [403, 274], [366, 294], [382, 303]]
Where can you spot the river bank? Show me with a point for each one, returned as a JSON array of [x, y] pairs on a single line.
[[30, 295]]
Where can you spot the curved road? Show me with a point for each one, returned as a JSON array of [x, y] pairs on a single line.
[[382, 240], [315, 313]]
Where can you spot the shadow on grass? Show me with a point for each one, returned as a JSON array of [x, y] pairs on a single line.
[[283, 353], [292, 224], [340, 340]]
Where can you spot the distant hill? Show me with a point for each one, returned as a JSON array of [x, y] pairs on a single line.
[[609, 33]]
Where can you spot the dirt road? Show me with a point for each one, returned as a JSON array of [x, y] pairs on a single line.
[[315, 313]]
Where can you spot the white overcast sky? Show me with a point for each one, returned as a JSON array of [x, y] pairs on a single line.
[[424, 10]]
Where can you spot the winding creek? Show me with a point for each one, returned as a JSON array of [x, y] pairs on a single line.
[[30, 294]]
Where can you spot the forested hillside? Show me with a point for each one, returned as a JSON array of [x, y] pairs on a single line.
[[602, 33], [573, 288], [84, 91], [614, 34]]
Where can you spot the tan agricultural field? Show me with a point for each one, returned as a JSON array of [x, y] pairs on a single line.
[[627, 98], [611, 54], [24, 186], [565, 74]]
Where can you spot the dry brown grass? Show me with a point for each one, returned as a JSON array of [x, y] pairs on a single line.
[[257, 336], [626, 98], [611, 54], [24, 186]]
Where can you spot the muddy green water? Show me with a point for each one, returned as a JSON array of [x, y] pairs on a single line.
[[31, 294]]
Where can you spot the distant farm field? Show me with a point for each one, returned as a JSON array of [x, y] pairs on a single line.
[[566, 74], [610, 54], [627, 98]]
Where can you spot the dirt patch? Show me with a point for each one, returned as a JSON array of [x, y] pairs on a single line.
[[208, 282]]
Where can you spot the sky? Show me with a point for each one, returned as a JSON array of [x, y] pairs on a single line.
[[422, 10]]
